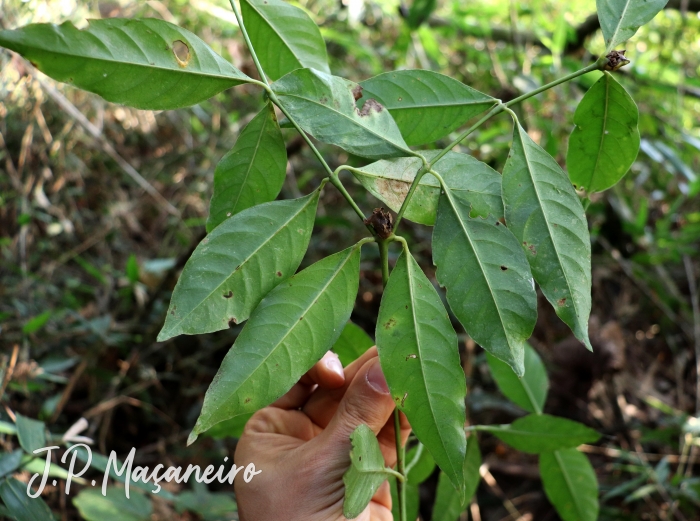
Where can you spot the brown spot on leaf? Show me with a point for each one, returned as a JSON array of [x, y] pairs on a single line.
[[229, 294], [279, 273], [504, 268], [390, 323], [561, 302], [246, 400], [369, 106], [357, 92], [232, 322], [532, 249], [182, 53]]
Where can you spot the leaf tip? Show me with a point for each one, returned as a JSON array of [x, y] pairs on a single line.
[[193, 436]]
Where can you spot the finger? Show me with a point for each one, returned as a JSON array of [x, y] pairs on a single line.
[[327, 373], [323, 403], [367, 401]]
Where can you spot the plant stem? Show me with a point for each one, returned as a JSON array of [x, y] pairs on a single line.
[[598, 65], [400, 460], [248, 43], [384, 259]]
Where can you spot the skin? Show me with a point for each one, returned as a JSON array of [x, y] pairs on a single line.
[[302, 444]]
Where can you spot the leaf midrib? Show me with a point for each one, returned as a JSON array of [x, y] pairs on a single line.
[[254, 252], [569, 484], [549, 227], [605, 126], [434, 106], [416, 327], [613, 37], [274, 349], [354, 122], [481, 267], [179, 70]]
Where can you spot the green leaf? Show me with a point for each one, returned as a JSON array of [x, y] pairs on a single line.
[[538, 433], [147, 64], [426, 105], [352, 343], [419, 470], [20, 505], [448, 504], [216, 506], [605, 140], [472, 181], [10, 462], [324, 106], [366, 471], [291, 329], [530, 391], [31, 433], [546, 216], [419, 12], [420, 359], [570, 484], [252, 172], [232, 428], [488, 280], [93, 506], [132, 269], [237, 264], [35, 324], [285, 38], [620, 19]]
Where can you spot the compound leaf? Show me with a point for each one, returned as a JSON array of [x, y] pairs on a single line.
[[472, 181], [420, 359], [252, 172], [144, 63], [530, 391], [285, 38], [19, 505], [488, 280], [324, 106], [291, 329], [605, 140], [538, 433], [426, 105], [237, 264], [620, 19], [570, 484], [366, 471], [546, 216]]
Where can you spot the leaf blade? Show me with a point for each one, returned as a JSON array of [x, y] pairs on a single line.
[[471, 180], [419, 356], [352, 343], [538, 433], [285, 37], [252, 172], [620, 19], [19, 504], [546, 216], [426, 105], [570, 484], [307, 310], [488, 280], [134, 62], [530, 391], [324, 106], [237, 264], [31, 433], [605, 140], [365, 474], [93, 506]]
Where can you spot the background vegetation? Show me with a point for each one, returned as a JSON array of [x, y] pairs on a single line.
[[100, 206]]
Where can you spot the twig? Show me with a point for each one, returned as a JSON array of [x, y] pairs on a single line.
[[10, 370], [68, 390]]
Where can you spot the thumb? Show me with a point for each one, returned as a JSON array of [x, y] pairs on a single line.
[[367, 401]]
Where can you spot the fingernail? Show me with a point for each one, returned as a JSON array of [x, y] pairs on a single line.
[[333, 363], [375, 378]]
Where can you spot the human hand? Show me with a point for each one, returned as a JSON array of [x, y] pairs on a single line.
[[302, 444]]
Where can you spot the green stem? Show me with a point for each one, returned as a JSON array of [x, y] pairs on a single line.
[[384, 259], [400, 477], [400, 461], [598, 65], [248, 43]]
